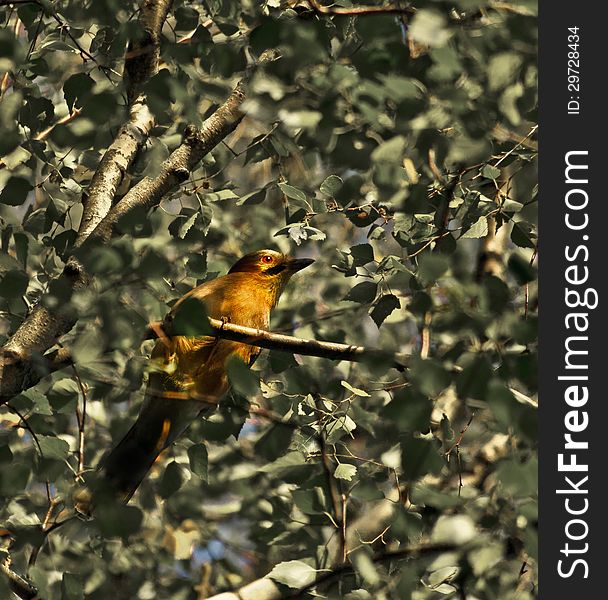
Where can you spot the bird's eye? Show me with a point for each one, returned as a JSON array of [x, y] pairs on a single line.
[[267, 259]]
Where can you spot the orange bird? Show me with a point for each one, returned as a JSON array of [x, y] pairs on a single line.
[[189, 373]]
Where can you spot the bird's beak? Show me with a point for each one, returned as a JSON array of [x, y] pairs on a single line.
[[296, 264]]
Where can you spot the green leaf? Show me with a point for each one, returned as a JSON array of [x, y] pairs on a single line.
[[274, 442], [337, 429], [32, 400], [187, 225], [53, 447], [220, 195], [410, 410], [490, 172], [511, 206], [300, 118], [252, 198], [402, 88], [294, 193], [63, 395], [518, 479], [360, 594], [114, 519], [384, 307], [15, 191], [197, 455], [521, 269], [331, 186], [345, 471], [293, 573], [190, 319], [479, 229], [427, 496], [503, 69], [13, 480], [431, 267], [310, 502], [363, 292], [429, 376], [472, 382], [103, 261], [299, 233], [496, 295], [362, 254], [173, 478], [13, 284], [484, 558], [429, 27], [365, 568], [420, 457], [390, 151], [354, 390], [187, 18], [242, 378], [153, 264], [281, 361], [454, 529], [77, 89], [6, 456], [72, 587], [523, 235]]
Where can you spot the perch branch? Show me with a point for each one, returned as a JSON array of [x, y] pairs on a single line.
[[287, 343]]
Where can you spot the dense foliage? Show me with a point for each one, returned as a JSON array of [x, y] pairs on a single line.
[[398, 150]]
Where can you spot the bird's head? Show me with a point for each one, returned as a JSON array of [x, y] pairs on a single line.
[[270, 269]]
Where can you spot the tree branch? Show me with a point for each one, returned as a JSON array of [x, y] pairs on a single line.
[[359, 10], [16, 2], [141, 63], [22, 363], [21, 360], [176, 169], [287, 343], [178, 166], [20, 586]]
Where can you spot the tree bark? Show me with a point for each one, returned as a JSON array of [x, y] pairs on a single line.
[[21, 359]]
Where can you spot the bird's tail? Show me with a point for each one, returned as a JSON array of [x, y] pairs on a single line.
[[157, 427], [127, 463], [160, 422]]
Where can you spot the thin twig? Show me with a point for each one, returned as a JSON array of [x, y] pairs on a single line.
[[46, 525], [533, 130], [343, 569], [81, 416], [339, 507], [42, 135], [27, 426], [425, 335], [371, 542], [457, 443]]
